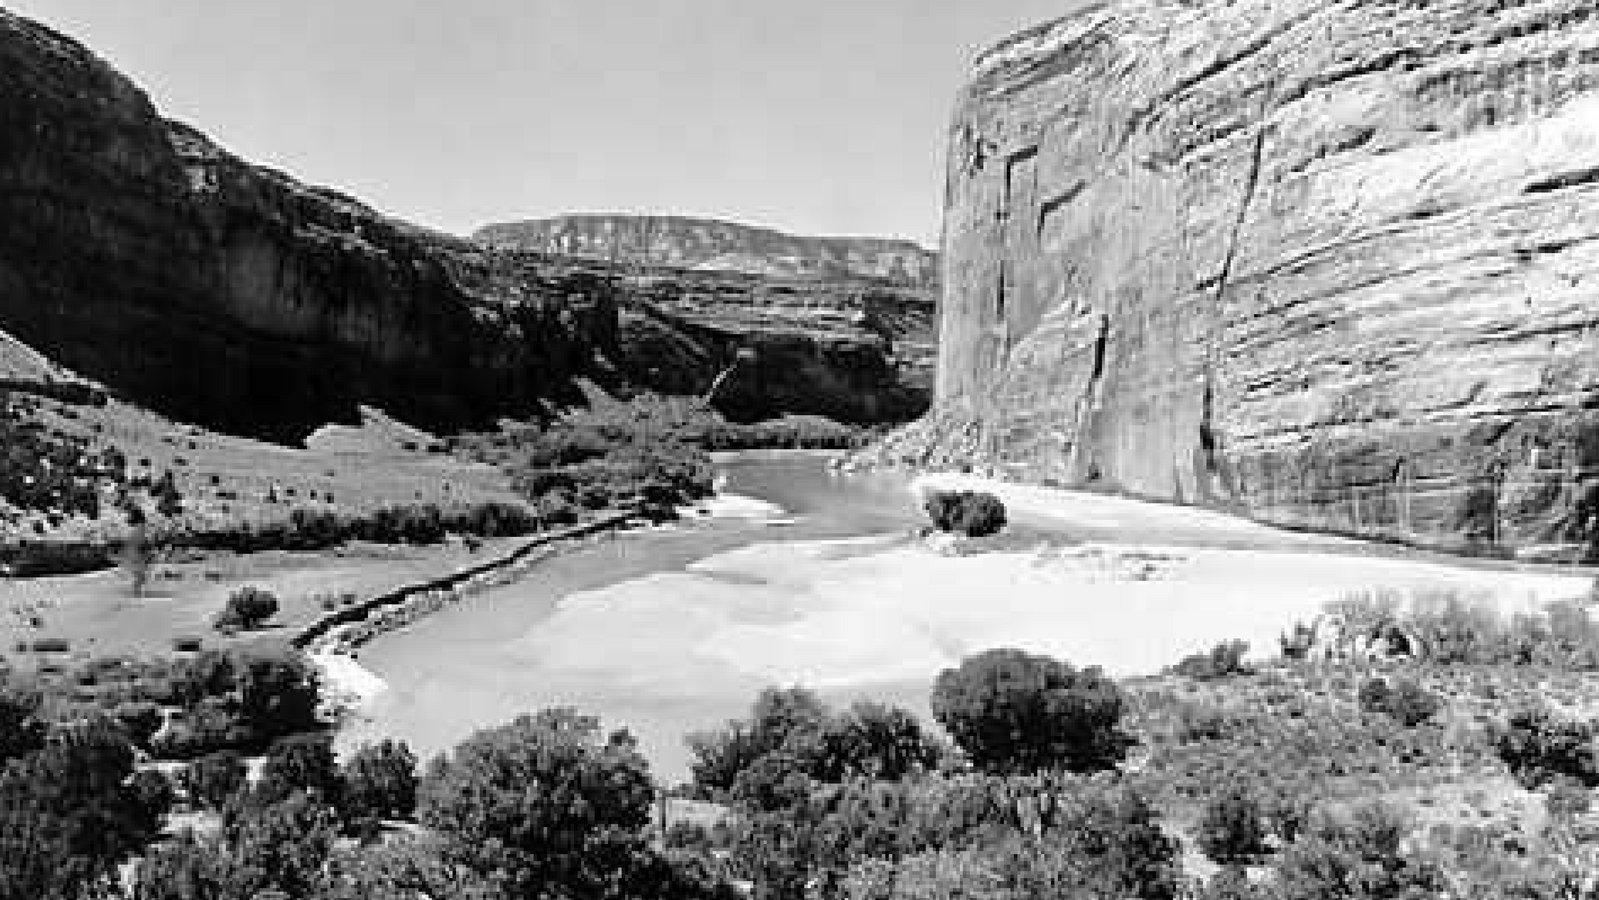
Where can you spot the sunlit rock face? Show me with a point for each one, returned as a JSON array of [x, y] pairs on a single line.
[[139, 254], [1333, 265], [708, 244]]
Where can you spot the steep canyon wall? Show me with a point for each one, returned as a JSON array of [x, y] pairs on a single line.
[[1331, 264], [136, 252]]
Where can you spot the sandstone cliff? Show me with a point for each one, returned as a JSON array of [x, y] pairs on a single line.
[[722, 246], [139, 254], [1334, 265]]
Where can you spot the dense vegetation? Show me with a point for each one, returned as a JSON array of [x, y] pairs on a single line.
[[1368, 777], [649, 451], [51, 472]]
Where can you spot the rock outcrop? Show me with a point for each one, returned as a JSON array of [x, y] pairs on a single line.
[[852, 351], [708, 244], [142, 256], [1330, 264]]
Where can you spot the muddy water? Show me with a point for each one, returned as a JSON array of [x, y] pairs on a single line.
[[497, 655]]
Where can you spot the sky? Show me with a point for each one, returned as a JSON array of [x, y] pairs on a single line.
[[813, 116]]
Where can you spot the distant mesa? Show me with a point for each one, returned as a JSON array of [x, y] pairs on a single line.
[[691, 243], [140, 255]]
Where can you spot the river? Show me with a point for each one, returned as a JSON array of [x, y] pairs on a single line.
[[671, 630], [491, 657]]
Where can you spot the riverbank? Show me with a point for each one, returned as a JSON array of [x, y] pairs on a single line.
[[673, 631]]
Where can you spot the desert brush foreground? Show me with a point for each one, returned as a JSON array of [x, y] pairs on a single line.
[[645, 556]]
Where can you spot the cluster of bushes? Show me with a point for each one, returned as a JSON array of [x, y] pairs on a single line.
[[1034, 800], [280, 835], [1541, 746], [546, 806], [236, 699], [647, 452], [319, 529], [72, 808], [51, 472], [972, 513], [1448, 628], [788, 431], [865, 803]]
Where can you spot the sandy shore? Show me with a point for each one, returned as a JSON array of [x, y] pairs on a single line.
[[682, 642]]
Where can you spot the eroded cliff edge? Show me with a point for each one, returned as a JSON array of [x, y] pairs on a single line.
[[1331, 264], [138, 253], [712, 245]]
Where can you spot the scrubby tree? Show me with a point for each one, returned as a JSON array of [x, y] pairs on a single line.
[[247, 608], [70, 814], [380, 782], [1013, 713], [277, 692], [971, 513], [544, 805], [301, 763], [1362, 855]]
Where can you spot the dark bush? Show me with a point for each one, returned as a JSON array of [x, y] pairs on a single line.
[[380, 782], [1405, 701], [1540, 746], [1016, 713], [966, 512], [1233, 830], [1225, 660], [247, 608]]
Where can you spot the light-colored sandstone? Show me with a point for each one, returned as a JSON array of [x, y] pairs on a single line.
[[1333, 264]]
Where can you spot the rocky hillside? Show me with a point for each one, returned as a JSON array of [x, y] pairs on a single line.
[[718, 246], [140, 255], [1332, 265]]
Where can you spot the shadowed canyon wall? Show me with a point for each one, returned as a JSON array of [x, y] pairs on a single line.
[[139, 254], [1330, 264]]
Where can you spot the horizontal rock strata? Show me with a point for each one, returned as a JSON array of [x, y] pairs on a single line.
[[708, 244], [142, 256], [1331, 264]]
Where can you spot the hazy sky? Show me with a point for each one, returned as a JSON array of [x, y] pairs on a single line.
[[816, 116]]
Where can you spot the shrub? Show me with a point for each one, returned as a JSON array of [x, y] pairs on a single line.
[[536, 800], [792, 741], [1540, 746], [1225, 660], [301, 763], [967, 512], [1013, 712], [140, 720], [1359, 856], [1233, 829], [213, 779], [247, 608], [380, 782], [1405, 701]]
